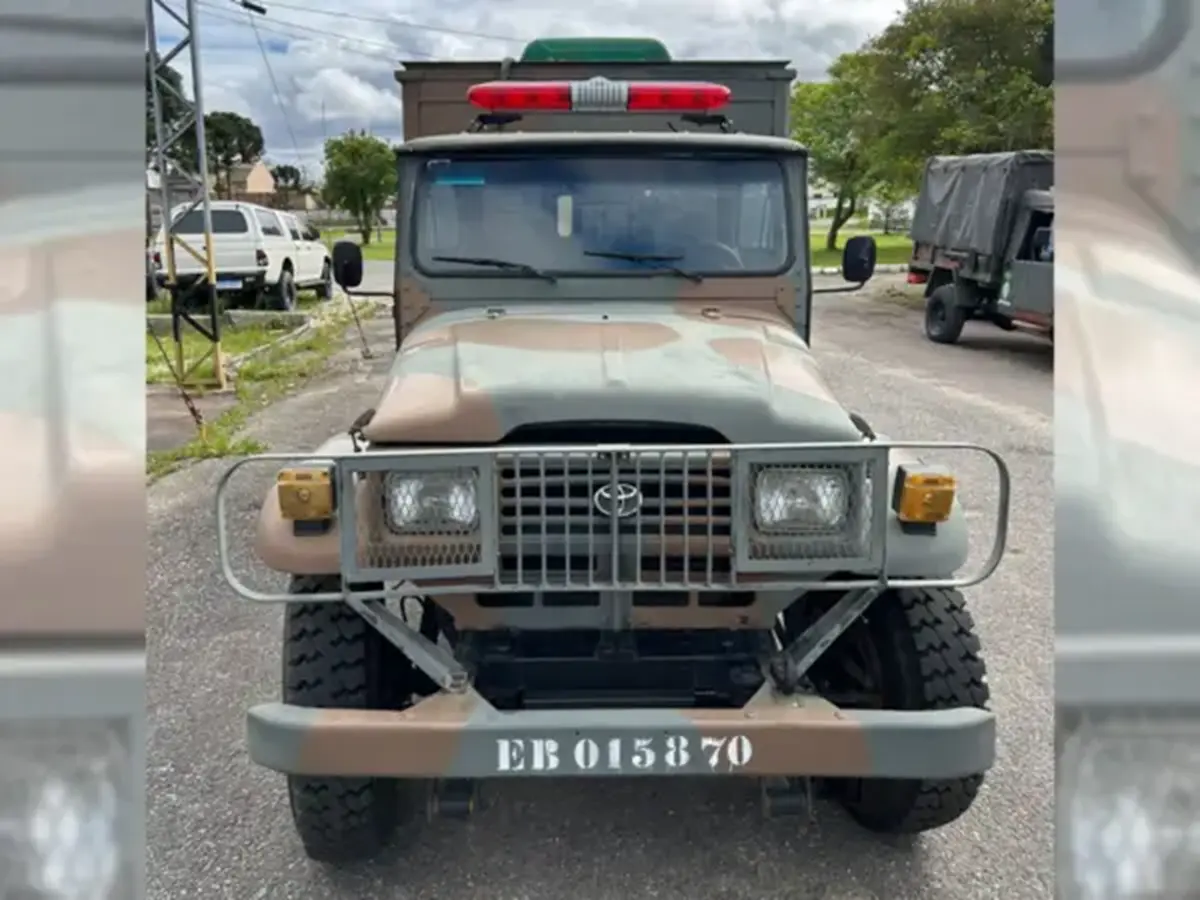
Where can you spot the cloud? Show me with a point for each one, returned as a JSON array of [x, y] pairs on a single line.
[[322, 69]]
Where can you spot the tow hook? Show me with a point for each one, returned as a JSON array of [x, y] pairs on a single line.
[[454, 798]]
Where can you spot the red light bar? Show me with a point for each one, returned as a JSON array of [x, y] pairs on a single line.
[[599, 95], [511, 96], [677, 96]]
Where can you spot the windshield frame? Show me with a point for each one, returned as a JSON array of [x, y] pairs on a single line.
[[641, 151]]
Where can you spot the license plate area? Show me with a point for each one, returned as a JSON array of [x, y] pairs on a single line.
[[657, 753]]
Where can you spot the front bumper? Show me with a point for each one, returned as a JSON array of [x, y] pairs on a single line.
[[462, 736]]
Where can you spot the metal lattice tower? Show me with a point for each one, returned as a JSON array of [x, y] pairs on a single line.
[[193, 123]]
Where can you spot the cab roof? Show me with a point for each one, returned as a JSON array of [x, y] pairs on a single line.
[[668, 140]]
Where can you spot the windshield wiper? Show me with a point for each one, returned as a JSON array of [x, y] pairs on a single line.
[[523, 268], [647, 257]]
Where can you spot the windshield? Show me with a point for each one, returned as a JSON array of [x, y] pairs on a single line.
[[595, 215]]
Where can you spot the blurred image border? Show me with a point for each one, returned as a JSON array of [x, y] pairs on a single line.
[[1127, 375], [72, 435]]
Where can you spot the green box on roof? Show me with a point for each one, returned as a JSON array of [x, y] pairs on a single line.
[[597, 50]]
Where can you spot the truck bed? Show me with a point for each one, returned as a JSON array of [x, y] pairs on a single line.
[[968, 205]]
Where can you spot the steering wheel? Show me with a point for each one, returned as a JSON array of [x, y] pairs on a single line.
[[727, 251]]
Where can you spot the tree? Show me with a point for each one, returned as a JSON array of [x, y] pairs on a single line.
[[961, 76], [232, 140], [288, 178], [947, 77], [833, 119], [890, 198], [360, 178]]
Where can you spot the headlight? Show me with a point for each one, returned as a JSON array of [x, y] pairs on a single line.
[[435, 502], [1129, 807], [65, 807], [801, 499]]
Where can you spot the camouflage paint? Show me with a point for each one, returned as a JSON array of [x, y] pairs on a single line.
[[746, 301], [455, 736], [470, 376]]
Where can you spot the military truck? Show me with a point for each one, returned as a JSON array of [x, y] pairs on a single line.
[[607, 518], [983, 242]]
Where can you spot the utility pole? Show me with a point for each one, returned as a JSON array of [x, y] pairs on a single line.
[[204, 287]]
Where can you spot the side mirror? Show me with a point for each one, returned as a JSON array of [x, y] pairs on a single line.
[[348, 264], [858, 259]]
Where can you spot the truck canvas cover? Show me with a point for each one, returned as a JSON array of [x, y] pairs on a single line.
[[967, 203]]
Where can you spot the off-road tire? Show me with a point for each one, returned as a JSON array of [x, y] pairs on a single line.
[[944, 318], [332, 659], [325, 288], [284, 295], [930, 656]]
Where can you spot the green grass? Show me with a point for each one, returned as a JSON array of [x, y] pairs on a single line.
[[383, 248], [260, 382], [305, 300], [893, 248], [219, 441], [234, 342]]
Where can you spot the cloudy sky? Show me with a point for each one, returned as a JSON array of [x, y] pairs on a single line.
[[325, 66]]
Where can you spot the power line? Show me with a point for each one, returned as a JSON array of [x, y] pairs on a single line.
[[274, 84], [285, 29], [278, 27], [392, 20]]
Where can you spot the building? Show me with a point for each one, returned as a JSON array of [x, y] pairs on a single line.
[[252, 182]]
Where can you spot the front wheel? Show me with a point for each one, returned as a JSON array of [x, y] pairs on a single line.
[[912, 650], [332, 659]]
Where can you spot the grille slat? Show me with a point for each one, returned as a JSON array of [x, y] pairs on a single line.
[[669, 533]]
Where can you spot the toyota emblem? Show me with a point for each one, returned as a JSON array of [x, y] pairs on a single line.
[[617, 501]]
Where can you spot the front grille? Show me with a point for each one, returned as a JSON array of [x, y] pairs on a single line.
[[592, 517], [678, 520]]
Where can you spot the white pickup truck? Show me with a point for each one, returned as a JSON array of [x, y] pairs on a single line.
[[260, 254]]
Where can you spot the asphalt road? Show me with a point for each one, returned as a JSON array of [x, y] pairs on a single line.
[[220, 828]]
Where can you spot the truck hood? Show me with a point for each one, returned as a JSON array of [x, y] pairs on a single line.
[[472, 376]]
